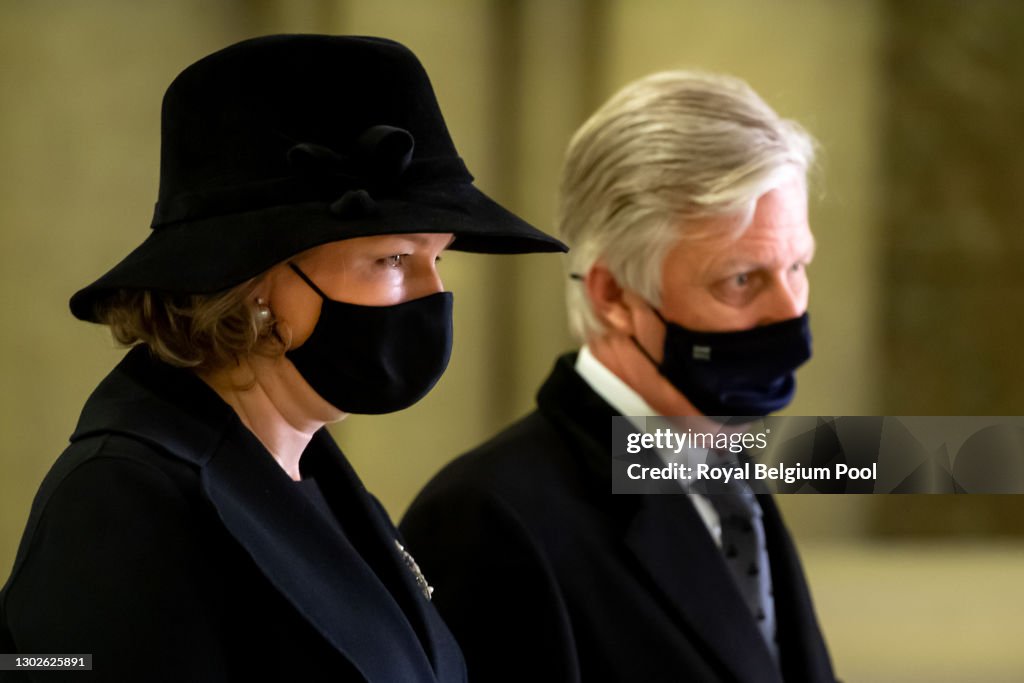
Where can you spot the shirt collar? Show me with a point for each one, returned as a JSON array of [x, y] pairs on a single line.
[[627, 402], [606, 384]]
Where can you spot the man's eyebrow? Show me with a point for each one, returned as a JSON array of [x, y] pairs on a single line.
[[738, 264], [749, 263]]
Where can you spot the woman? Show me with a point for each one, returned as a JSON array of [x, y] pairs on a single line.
[[202, 525]]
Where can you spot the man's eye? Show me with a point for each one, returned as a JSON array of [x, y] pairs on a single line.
[[741, 280], [797, 267], [393, 261]]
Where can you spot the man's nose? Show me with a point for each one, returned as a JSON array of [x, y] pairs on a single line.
[[785, 300]]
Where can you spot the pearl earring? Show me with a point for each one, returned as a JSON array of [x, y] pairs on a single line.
[[263, 313]]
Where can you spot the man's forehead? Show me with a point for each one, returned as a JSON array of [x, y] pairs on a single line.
[[798, 243], [723, 250]]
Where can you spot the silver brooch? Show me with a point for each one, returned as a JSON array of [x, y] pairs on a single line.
[[421, 580]]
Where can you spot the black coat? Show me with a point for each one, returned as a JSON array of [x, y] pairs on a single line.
[[166, 542], [544, 575]]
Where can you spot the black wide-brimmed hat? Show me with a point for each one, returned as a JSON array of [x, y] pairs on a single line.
[[278, 144]]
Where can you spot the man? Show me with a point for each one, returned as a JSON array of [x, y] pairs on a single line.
[[684, 203]]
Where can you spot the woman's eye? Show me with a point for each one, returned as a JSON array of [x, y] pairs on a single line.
[[393, 261], [796, 267], [741, 280], [437, 259]]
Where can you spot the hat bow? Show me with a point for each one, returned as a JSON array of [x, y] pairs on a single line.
[[380, 156]]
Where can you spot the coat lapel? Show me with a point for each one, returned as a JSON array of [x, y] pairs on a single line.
[[345, 491], [301, 553], [668, 538], [315, 568], [665, 534]]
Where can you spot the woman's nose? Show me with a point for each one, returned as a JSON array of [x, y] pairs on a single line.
[[425, 282]]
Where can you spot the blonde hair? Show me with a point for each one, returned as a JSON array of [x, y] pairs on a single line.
[[201, 331], [669, 148]]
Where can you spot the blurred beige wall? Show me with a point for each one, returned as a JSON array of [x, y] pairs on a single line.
[[80, 89]]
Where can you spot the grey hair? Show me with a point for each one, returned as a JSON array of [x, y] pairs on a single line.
[[666, 150]]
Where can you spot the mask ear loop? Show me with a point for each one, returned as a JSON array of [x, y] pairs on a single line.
[[309, 282], [636, 342], [644, 351]]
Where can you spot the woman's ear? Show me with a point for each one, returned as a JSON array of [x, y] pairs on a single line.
[[612, 305]]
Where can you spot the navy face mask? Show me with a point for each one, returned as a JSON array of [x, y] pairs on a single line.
[[375, 359], [746, 373]]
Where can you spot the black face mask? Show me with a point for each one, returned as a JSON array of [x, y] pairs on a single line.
[[746, 373], [375, 359]]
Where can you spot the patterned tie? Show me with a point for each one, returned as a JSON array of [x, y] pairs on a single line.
[[745, 551]]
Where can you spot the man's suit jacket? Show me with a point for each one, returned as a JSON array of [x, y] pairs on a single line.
[[167, 543], [543, 575]]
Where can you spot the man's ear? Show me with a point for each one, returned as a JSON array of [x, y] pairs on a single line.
[[609, 301]]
